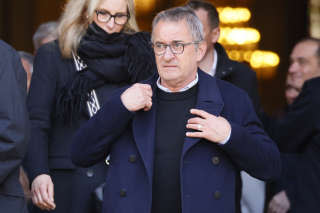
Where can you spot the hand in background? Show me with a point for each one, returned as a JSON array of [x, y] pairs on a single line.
[[279, 203], [42, 192]]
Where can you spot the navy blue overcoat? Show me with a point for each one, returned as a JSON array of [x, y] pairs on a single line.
[[208, 171]]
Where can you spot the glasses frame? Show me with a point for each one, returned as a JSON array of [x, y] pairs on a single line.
[[184, 44], [100, 12]]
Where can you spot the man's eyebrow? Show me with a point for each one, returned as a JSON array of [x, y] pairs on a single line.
[[173, 41], [300, 58], [176, 41]]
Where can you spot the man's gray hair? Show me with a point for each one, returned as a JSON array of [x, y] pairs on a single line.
[[177, 14], [45, 30]]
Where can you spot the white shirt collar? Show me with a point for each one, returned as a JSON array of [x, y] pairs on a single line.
[[215, 63], [191, 84]]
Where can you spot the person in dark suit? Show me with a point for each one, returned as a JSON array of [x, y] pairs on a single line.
[[297, 134], [98, 50], [217, 63], [177, 141], [45, 33], [14, 129]]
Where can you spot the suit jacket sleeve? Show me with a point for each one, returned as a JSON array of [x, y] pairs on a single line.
[[13, 114], [41, 102], [93, 140], [300, 172]]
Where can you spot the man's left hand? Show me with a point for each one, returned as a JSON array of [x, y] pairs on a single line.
[[208, 126]]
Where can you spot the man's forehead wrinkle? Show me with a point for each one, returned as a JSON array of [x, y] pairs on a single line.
[[171, 32]]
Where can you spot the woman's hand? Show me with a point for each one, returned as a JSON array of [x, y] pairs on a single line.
[[43, 192]]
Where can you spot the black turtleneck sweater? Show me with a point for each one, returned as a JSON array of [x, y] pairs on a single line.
[[173, 111]]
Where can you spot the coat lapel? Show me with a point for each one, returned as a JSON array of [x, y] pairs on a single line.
[[209, 99], [143, 127]]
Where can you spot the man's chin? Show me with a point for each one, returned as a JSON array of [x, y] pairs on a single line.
[[168, 73]]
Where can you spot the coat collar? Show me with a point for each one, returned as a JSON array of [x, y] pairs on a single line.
[[209, 99], [144, 123], [224, 66]]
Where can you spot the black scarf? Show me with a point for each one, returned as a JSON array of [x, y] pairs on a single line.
[[107, 62]]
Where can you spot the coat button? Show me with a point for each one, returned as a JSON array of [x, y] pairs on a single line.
[[132, 158], [215, 160], [123, 193], [107, 161], [217, 195], [90, 173]]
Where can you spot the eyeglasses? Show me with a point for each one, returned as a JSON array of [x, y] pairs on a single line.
[[119, 18], [176, 47]]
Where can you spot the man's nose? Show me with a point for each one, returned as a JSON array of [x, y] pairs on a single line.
[[294, 67], [168, 55]]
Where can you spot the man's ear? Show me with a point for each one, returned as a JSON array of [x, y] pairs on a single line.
[[202, 48], [215, 34]]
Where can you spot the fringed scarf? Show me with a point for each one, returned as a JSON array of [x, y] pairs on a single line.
[[110, 58]]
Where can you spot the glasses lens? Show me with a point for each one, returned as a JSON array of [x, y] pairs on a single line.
[[103, 17], [121, 19], [159, 48], [177, 48]]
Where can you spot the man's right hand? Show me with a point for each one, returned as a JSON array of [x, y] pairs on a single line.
[[137, 97], [42, 192]]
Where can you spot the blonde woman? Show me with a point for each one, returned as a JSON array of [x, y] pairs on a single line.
[[98, 50]]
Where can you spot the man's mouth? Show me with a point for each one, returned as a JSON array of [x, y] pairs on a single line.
[[170, 66]]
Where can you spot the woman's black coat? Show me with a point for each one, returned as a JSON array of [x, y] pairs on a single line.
[[49, 147]]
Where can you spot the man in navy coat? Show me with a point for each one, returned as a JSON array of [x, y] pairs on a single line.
[[177, 141], [13, 129]]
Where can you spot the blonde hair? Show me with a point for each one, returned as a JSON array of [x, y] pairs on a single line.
[[77, 16]]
